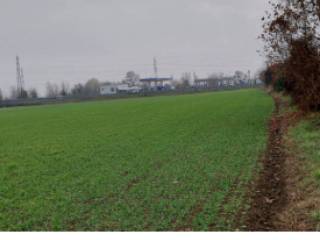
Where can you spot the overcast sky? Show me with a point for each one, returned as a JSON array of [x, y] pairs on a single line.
[[74, 40]]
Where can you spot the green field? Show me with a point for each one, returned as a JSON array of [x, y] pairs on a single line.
[[160, 163]]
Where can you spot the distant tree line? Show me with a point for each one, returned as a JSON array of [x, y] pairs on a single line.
[[91, 88], [23, 94], [53, 90]]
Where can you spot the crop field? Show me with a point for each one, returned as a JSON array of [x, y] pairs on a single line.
[[160, 163]]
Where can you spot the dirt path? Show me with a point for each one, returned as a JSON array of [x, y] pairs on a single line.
[[269, 195]]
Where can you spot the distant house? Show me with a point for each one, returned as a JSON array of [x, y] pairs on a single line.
[[108, 89], [228, 81], [114, 88], [125, 88], [214, 82], [201, 83], [156, 82]]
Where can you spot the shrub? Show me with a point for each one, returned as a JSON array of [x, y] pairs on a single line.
[[292, 46]]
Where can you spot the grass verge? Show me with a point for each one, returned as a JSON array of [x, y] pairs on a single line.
[[306, 138]]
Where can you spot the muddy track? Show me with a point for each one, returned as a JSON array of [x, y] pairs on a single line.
[[269, 196]]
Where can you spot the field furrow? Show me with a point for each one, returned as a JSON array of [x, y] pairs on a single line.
[[160, 163]]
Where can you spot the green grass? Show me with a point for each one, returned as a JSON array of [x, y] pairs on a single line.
[[136, 164], [307, 138], [316, 216]]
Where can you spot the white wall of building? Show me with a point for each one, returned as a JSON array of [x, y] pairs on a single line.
[[108, 89]]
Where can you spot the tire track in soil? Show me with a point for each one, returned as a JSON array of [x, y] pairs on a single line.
[[269, 196]]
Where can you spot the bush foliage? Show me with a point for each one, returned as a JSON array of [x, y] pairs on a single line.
[[292, 44]]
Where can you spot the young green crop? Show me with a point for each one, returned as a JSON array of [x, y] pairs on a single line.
[[161, 163]]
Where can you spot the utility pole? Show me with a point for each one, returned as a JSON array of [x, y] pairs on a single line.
[[155, 67], [19, 79]]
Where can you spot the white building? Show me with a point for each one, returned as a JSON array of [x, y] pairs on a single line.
[[125, 88], [108, 89], [157, 82], [112, 88]]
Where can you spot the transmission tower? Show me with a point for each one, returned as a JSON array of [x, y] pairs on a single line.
[[20, 77]]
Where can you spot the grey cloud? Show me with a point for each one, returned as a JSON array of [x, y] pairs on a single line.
[[73, 40]]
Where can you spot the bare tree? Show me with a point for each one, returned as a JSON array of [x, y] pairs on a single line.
[[52, 90], [19, 94], [13, 93], [1, 95], [184, 82], [33, 93], [186, 79], [131, 78], [78, 90], [64, 90], [240, 76]]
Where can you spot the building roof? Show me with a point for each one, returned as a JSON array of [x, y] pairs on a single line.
[[201, 80], [155, 79], [108, 84], [216, 79]]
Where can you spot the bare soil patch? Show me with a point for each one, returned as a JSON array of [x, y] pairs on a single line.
[[269, 196], [279, 202]]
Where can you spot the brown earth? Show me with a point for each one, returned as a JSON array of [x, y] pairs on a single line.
[[278, 201], [269, 196]]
